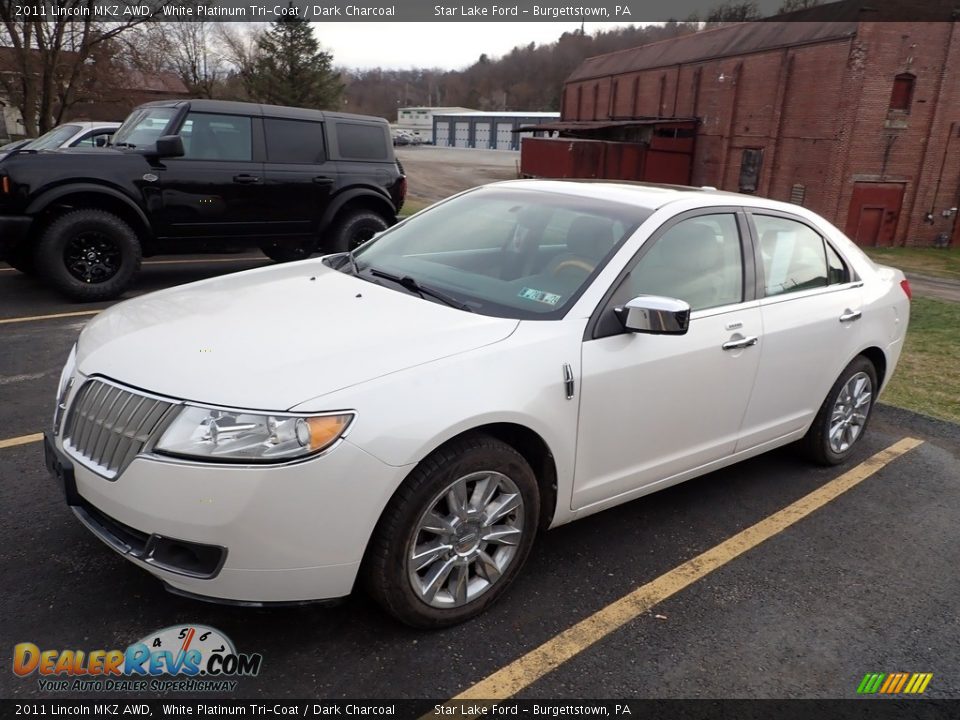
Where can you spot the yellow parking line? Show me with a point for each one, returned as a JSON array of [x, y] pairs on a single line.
[[31, 318], [513, 678], [22, 440]]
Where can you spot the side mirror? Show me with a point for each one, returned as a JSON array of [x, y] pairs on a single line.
[[100, 141], [655, 315], [169, 146]]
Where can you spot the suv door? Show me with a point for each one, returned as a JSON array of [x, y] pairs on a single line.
[[300, 175], [811, 303], [216, 189], [655, 406]]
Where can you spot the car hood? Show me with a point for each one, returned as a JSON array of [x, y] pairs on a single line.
[[274, 337]]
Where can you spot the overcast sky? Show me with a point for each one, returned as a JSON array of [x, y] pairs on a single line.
[[447, 45]]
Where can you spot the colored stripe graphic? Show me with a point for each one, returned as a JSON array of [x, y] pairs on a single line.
[[894, 683]]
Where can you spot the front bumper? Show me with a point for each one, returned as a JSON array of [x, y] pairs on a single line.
[[13, 233], [285, 534]]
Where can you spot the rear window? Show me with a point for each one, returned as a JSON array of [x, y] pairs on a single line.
[[294, 141], [361, 141]]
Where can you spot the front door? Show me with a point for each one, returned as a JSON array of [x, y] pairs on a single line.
[[655, 406], [216, 189], [874, 213]]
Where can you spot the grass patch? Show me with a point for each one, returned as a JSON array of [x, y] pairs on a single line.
[[927, 379], [413, 205], [943, 263]]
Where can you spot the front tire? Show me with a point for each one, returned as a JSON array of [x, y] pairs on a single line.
[[354, 228], [89, 255], [455, 534], [842, 419]]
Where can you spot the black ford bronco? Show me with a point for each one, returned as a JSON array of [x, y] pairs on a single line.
[[197, 176]]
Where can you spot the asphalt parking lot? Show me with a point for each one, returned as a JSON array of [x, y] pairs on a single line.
[[866, 583]]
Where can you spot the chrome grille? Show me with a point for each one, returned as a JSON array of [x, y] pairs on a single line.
[[108, 425]]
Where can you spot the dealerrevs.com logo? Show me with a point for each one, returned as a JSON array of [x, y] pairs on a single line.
[[181, 658]]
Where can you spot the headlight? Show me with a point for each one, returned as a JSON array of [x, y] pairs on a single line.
[[213, 434], [63, 388]]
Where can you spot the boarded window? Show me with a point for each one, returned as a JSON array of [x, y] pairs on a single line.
[[902, 95], [750, 169]]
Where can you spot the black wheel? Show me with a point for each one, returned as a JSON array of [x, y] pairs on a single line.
[[89, 255], [843, 417], [22, 259], [353, 228], [290, 251], [455, 535]]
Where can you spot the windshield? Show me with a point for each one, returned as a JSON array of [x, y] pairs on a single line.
[[506, 252], [53, 139], [143, 127]]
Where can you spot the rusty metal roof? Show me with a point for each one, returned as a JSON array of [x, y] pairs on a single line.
[[726, 41]]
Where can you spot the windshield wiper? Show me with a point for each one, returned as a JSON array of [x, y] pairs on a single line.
[[411, 284]]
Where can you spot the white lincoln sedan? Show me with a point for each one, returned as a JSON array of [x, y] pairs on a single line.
[[410, 414]]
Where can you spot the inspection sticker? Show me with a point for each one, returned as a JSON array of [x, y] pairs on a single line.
[[539, 296]]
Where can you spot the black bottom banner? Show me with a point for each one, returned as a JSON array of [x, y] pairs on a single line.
[[861, 709]]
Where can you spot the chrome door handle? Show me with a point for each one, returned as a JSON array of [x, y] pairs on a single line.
[[850, 316], [740, 344]]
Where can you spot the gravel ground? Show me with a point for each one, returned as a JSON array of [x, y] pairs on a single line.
[[435, 173]]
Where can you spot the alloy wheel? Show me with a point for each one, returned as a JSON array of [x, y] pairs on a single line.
[[850, 411], [466, 539], [92, 257]]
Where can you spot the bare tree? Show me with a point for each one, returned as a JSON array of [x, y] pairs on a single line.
[[188, 49], [46, 63]]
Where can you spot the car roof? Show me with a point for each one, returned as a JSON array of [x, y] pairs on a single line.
[[650, 196], [93, 125], [232, 107]]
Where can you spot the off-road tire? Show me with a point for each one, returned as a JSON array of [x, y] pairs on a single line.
[[50, 254], [384, 568], [282, 252], [816, 443], [353, 228]]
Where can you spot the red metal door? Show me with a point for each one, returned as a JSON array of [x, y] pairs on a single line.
[[874, 213]]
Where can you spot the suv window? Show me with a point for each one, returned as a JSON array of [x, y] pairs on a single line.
[[698, 260], [216, 137], [294, 141], [795, 257], [361, 142]]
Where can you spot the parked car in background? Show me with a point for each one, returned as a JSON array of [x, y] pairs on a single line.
[[198, 176], [12, 147], [74, 134], [412, 413]]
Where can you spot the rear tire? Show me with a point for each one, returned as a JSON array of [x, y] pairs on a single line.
[[353, 228], [291, 251], [844, 414], [88, 255], [483, 545]]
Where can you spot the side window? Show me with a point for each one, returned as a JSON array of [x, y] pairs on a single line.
[[699, 260], [358, 141], [794, 256], [216, 137], [836, 268], [294, 141]]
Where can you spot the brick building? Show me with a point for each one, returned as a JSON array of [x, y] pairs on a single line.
[[859, 121]]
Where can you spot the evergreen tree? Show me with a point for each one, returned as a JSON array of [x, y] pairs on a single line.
[[290, 68]]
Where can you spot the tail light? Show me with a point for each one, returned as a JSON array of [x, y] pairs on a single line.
[[905, 286]]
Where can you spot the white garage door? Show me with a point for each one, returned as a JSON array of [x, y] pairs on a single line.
[[462, 134], [443, 134], [504, 136], [481, 135]]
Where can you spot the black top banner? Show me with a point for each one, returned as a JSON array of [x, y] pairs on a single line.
[[864, 709], [624, 11]]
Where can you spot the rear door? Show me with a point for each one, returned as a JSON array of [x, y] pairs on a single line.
[[811, 307], [216, 189], [300, 175]]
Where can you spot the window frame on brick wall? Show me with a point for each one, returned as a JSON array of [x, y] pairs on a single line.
[[901, 94]]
